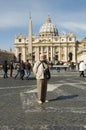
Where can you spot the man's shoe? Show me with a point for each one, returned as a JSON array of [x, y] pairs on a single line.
[[40, 102], [46, 101]]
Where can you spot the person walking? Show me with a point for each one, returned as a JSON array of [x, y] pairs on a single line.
[[18, 70], [5, 69], [22, 70], [11, 68], [82, 68], [27, 69], [38, 70]]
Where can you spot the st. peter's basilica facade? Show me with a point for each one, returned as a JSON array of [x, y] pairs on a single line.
[[56, 47]]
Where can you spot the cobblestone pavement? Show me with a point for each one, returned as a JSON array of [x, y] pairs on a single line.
[[66, 109]]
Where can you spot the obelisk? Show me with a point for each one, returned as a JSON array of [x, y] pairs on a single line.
[[30, 40]]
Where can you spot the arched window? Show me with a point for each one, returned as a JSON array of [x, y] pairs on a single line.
[[70, 56], [56, 57]]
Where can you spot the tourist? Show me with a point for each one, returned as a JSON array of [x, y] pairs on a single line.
[[38, 70], [18, 70], [27, 69], [82, 68], [22, 70], [5, 69], [11, 67]]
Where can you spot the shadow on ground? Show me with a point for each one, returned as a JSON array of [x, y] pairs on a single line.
[[64, 97]]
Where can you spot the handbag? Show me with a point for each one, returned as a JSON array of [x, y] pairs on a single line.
[[47, 74]]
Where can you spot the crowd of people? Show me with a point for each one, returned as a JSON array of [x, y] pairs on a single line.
[[22, 69]]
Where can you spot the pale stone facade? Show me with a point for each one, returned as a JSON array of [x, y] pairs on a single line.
[[81, 51], [56, 47]]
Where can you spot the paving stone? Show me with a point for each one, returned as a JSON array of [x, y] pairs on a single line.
[[66, 109]]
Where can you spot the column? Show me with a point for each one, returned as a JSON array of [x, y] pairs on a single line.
[[47, 53], [37, 54], [66, 53], [51, 53], [23, 54], [74, 55], [59, 53], [16, 52]]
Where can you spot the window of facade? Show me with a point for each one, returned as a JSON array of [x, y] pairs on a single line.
[[49, 48], [70, 56], [44, 49], [56, 57], [70, 39], [62, 39], [19, 40], [49, 59], [39, 48], [56, 49]]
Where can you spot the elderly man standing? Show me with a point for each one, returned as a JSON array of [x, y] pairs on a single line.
[[38, 70]]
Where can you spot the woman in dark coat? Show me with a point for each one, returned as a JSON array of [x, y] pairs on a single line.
[[5, 69]]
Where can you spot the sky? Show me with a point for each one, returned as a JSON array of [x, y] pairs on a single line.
[[67, 15]]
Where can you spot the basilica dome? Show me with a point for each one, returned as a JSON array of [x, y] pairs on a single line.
[[48, 28]]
